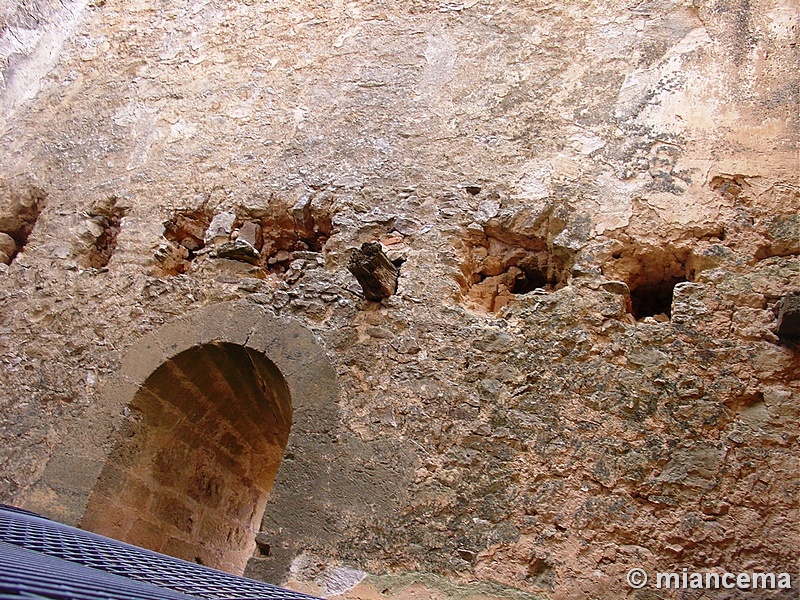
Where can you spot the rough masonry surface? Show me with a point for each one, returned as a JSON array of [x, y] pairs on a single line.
[[584, 368]]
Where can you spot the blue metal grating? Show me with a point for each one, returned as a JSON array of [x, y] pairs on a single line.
[[28, 574], [72, 548]]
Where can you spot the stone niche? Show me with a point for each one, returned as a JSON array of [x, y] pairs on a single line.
[[199, 450], [268, 239]]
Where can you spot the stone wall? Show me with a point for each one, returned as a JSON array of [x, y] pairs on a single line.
[[586, 367]]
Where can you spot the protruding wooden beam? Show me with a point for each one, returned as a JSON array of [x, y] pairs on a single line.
[[374, 271]]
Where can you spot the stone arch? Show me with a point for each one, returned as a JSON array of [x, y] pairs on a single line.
[[202, 410], [195, 460]]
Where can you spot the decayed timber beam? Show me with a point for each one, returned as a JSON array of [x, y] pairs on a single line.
[[374, 271]]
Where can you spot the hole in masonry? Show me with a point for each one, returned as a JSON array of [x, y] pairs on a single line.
[[262, 545], [654, 299], [188, 228], [529, 280], [103, 227], [270, 239], [496, 271], [789, 318], [651, 273], [473, 189], [280, 249], [185, 231], [18, 217], [305, 227]]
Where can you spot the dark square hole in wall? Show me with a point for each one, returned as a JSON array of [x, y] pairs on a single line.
[[653, 299], [529, 280], [789, 318]]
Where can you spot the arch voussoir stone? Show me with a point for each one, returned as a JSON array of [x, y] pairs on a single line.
[[177, 336], [144, 357], [230, 322]]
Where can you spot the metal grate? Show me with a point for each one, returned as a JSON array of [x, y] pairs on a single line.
[[78, 547], [28, 574]]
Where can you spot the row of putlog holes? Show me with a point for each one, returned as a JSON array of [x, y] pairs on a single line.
[[499, 267]]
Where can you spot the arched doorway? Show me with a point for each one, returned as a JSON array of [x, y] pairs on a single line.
[[195, 458]]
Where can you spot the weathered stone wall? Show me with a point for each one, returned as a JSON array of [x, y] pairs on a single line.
[[594, 207]]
